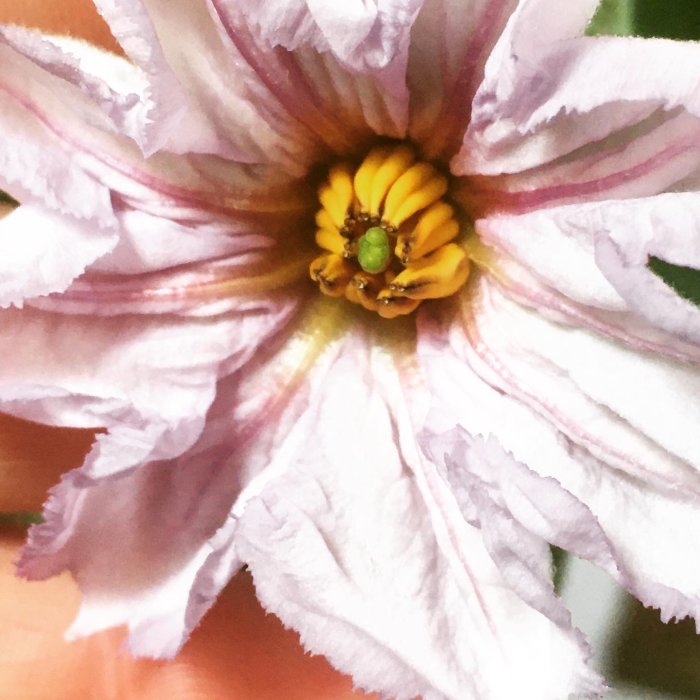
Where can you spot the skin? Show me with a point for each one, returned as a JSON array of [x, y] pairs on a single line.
[[237, 652]]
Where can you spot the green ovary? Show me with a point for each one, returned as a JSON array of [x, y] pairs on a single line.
[[374, 252]]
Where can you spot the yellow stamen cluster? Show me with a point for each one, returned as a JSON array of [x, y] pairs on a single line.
[[387, 234]]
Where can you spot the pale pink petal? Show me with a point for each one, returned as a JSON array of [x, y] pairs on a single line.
[[153, 385], [650, 542], [450, 43], [34, 167], [643, 158], [41, 252], [527, 287], [364, 36], [596, 254], [148, 380], [599, 393], [337, 103], [158, 519], [203, 98], [193, 497], [355, 541], [645, 123], [519, 514], [111, 82]]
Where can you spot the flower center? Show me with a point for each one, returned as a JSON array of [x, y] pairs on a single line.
[[388, 235]]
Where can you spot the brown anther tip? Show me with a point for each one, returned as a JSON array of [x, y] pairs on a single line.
[[363, 216]]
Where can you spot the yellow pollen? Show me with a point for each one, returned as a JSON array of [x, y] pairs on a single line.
[[403, 197]]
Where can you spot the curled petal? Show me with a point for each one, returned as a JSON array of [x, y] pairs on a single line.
[[644, 123], [41, 252], [519, 514], [597, 255], [365, 36], [126, 374]]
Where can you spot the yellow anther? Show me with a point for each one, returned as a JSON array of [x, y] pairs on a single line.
[[416, 189], [365, 175], [337, 194], [332, 272], [389, 306], [331, 240], [387, 174], [324, 219], [363, 289], [435, 227], [437, 275], [386, 235]]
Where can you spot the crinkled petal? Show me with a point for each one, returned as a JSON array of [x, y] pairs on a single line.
[[337, 105], [184, 488], [109, 81], [530, 113], [34, 167], [61, 152], [599, 393], [365, 36], [158, 519], [610, 426], [208, 81], [597, 254], [519, 514], [450, 43], [149, 381], [41, 252], [358, 544]]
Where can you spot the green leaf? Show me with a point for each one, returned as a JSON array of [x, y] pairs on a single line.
[[684, 280], [614, 17], [670, 19]]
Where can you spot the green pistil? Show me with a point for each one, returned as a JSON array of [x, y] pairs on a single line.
[[374, 251]]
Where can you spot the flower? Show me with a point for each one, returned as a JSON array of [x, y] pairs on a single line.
[[392, 484]]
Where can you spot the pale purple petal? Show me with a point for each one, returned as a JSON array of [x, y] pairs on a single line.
[[358, 544], [203, 98], [148, 380], [41, 252], [519, 514], [667, 227], [644, 123], [596, 254], [365, 36], [336, 104], [158, 520], [111, 82], [450, 43]]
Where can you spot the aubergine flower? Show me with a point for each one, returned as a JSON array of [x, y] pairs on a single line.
[[359, 293]]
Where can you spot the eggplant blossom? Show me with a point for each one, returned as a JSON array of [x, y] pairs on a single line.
[[359, 295]]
